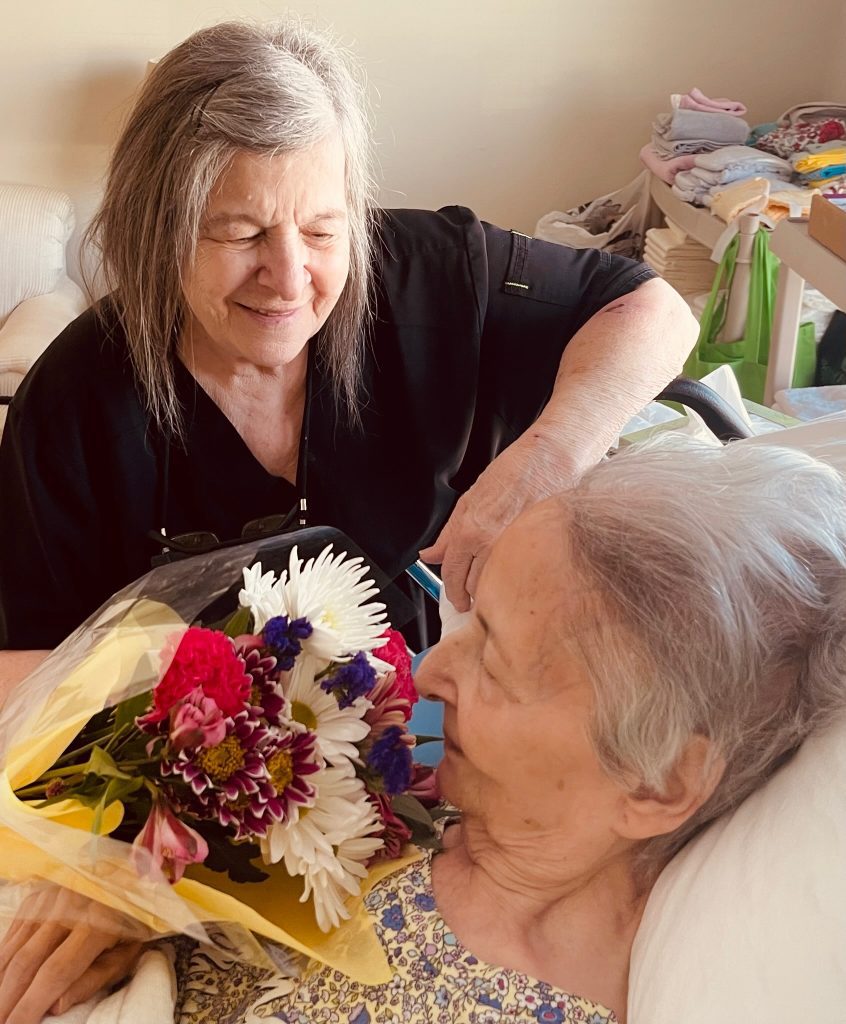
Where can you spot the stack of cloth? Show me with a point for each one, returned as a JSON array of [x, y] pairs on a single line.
[[680, 260], [697, 124], [801, 127], [711, 171], [820, 163]]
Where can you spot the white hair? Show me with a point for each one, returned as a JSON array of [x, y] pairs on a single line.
[[723, 572], [231, 88]]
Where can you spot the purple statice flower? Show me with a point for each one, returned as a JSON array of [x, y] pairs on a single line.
[[390, 758], [283, 636], [351, 680]]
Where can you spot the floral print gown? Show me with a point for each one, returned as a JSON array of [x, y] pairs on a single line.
[[435, 979]]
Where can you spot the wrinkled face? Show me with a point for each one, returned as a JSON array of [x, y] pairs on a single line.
[[518, 698], [272, 257]]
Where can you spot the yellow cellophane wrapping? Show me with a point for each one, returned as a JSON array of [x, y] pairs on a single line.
[[56, 844]]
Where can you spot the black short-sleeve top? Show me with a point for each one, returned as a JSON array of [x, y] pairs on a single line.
[[470, 325]]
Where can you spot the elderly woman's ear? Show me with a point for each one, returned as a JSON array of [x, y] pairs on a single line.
[[690, 782]]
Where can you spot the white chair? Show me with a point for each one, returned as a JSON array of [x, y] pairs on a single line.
[[37, 298]]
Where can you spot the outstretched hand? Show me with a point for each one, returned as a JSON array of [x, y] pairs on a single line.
[[534, 467], [59, 951]]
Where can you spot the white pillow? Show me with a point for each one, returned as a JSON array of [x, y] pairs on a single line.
[[35, 225], [748, 922]]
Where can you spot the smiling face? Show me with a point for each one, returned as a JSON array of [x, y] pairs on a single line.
[[517, 694], [272, 257]]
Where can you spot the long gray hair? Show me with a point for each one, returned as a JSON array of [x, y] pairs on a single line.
[[723, 572], [233, 87]]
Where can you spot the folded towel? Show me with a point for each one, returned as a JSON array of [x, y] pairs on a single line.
[[824, 174], [740, 197], [806, 163], [726, 177], [686, 125], [666, 170], [730, 157], [697, 100], [671, 150]]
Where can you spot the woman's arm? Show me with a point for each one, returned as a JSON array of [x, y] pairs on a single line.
[[622, 357]]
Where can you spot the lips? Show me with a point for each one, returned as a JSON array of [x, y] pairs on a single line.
[[269, 312]]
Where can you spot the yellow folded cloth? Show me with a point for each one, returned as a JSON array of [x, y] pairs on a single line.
[[750, 195], [816, 161]]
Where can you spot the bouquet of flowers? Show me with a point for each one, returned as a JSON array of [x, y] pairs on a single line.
[[272, 743]]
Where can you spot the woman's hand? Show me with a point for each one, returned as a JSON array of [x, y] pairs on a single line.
[[59, 951], [536, 466]]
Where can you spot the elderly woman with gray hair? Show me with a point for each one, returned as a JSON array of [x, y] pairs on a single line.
[[271, 342], [643, 652]]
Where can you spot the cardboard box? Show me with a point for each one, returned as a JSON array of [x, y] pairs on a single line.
[[827, 224]]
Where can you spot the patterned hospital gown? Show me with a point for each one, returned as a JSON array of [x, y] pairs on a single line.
[[436, 980]]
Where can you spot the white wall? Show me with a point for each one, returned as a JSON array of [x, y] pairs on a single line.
[[513, 108]]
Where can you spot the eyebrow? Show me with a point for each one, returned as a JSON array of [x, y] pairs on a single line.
[[483, 622], [224, 219]]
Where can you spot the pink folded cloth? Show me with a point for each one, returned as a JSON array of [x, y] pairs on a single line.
[[697, 100], [666, 170]]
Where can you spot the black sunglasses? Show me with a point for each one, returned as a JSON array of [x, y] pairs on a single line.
[[202, 541]]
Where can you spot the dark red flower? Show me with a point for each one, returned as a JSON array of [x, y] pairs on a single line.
[[396, 653]]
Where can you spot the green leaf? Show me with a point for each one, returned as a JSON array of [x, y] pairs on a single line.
[[234, 859], [90, 793], [238, 623], [128, 710], [103, 764], [412, 811], [116, 789]]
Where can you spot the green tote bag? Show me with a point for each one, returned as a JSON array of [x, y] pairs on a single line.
[[748, 355]]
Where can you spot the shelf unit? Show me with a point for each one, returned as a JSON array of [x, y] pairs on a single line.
[[802, 259]]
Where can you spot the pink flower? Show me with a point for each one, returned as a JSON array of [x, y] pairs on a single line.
[[424, 786], [396, 653], [395, 833], [170, 842], [208, 660], [389, 708], [198, 722]]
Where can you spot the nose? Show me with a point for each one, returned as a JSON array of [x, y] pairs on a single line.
[[284, 267], [435, 676]]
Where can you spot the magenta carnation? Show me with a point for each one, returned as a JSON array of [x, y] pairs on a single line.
[[207, 660]]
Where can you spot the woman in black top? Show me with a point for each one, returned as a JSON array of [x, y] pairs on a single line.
[[270, 342]]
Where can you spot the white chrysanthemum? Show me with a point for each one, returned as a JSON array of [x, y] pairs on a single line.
[[329, 844], [332, 594], [263, 594], [338, 729]]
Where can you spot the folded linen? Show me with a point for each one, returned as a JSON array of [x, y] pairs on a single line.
[[686, 125], [664, 169], [695, 99], [824, 174], [792, 138], [806, 163], [740, 197], [726, 177], [729, 157], [670, 150]]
